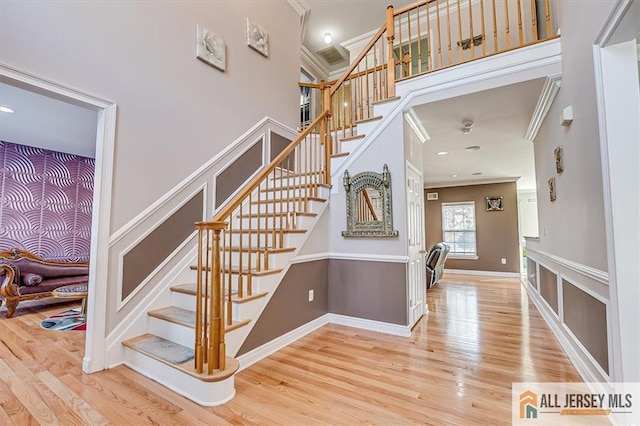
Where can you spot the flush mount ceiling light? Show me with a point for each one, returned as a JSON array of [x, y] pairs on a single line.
[[467, 124], [327, 38], [454, 176], [416, 125], [6, 109], [442, 153], [473, 148], [476, 173]]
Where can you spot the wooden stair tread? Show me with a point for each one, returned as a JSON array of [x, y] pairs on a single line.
[[235, 270], [190, 289], [252, 215], [286, 187], [269, 250], [384, 101], [188, 318], [352, 138], [293, 199], [290, 174], [342, 154], [367, 120], [187, 366], [266, 230]]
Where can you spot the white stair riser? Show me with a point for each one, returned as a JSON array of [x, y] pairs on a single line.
[[295, 181], [176, 333], [367, 127], [350, 146], [337, 161], [380, 110]]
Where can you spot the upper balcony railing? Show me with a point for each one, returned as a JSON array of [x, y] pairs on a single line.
[[428, 36]]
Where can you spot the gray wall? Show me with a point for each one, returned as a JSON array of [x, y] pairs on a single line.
[[238, 172], [574, 223], [289, 308], [370, 290], [549, 287], [496, 231]]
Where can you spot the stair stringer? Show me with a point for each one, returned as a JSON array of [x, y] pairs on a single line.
[[235, 340]]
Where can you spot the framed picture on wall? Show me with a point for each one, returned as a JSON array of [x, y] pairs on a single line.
[[494, 204]]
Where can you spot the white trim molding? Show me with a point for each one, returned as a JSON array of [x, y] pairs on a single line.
[[350, 256], [371, 325], [547, 96], [593, 273], [483, 273], [261, 352]]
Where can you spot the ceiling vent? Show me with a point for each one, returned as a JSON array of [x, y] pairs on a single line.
[[332, 55]]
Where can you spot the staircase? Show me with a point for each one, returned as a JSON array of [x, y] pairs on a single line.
[[245, 250]]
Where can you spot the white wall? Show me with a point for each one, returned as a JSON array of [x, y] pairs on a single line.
[[528, 214], [386, 149], [174, 112], [574, 223]]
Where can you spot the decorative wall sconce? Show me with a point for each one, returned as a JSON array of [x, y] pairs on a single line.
[[466, 43]]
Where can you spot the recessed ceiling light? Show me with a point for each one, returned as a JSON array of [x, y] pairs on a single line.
[[454, 175], [346, 104], [327, 38], [442, 153], [7, 109], [473, 148], [477, 173]]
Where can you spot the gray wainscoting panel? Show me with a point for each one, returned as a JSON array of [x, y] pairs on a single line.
[[549, 287], [141, 260], [586, 317], [289, 308], [278, 143], [370, 290], [238, 172], [531, 272]]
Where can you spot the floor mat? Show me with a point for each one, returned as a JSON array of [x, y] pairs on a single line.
[[65, 321], [164, 349]]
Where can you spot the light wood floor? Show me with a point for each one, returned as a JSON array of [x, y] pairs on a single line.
[[457, 368]]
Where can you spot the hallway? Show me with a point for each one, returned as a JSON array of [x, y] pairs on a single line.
[[480, 335]]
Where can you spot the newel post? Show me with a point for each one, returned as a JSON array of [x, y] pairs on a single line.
[[391, 64]]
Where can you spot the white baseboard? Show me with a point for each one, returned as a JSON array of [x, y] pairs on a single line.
[[371, 325], [261, 352], [483, 273], [578, 356]]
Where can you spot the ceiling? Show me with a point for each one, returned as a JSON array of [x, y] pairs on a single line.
[[500, 119], [46, 122]]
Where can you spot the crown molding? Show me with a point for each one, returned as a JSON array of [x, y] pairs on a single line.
[[302, 9], [312, 60], [547, 96], [470, 182]]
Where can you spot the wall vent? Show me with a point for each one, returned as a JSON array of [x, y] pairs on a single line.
[[432, 196], [531, 200], [332, 55]]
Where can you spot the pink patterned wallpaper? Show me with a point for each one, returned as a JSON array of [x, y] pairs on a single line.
[[46, 199]]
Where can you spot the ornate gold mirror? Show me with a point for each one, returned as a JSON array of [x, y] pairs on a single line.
[[369, 204]]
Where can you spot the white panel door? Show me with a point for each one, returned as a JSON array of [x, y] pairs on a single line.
[[416, 274]]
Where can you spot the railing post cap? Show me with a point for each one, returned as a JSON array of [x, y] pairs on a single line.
[[211, 225]]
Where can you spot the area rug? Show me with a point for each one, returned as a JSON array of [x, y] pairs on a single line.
[[65, 321]]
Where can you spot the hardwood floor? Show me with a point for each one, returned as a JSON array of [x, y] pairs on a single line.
[[480, 335]]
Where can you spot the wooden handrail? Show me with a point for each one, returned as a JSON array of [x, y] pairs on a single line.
[[252, 185], [361, 56]]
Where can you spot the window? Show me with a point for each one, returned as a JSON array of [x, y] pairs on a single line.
[[459, 228]]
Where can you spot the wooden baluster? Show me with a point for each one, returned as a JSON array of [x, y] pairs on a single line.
[[409, 65], [327, 151], [495, 27], [534, 21], [547, 11], [471, 45], [400, 49], [205, 295], [430, 65], [391, 79], [199, 343], [419, 41], [250, 247], [460, 51], [375, 75], [520, 31], [360, 94], [217, 355], [506, 23], [366, 76], [449, 51], [227, 295], [240, 252], [439, 34], [259, 224], [484, 44]]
